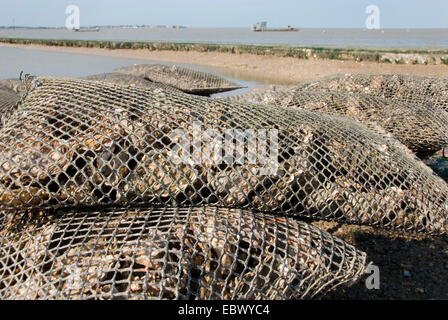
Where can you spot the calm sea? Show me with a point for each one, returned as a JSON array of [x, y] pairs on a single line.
[[387, 38]]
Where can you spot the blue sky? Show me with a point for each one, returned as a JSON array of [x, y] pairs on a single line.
[[229, 13]]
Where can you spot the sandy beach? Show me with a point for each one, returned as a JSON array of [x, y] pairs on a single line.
[[263, 69]]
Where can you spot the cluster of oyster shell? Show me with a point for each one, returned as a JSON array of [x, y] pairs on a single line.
[[420, 127], [405, 88], [76, 142], [129, 80], [9, 100], [76, 148], [184, 79]]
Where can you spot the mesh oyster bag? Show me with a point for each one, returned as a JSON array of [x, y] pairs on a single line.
[[78, 143], [405, 88], [421, 128], [129, 80], [14, 84], [172, 253], [187, 80], [8, 102]]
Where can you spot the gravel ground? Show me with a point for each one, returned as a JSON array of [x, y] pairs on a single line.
[[412, 266]]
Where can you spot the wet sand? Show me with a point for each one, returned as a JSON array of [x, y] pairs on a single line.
[[263, 69]]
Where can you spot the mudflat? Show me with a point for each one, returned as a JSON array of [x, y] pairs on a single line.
[[264, 69]]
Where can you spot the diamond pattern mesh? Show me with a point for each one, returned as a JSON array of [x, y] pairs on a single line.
[[14, 84], [409, 89], [421, 128], [8, 102], [78, 143], [171, 253], [129, 80], [187, 80]]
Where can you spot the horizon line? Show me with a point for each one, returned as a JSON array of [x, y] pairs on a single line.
[[171, 26]]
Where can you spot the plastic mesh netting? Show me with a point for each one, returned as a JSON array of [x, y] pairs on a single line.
[[187, 80], [75, 143], [411, 89], [421, 128], [263, 90], [130, 80], [8, 102], [172, 253], [14, 84]]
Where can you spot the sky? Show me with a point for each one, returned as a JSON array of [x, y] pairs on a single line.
[[228, 13]]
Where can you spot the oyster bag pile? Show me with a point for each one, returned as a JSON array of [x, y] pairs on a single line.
[[174, 253], [8, 102], [184, 79], [418, 125], [403, 88], [129, 80], [105, 193]]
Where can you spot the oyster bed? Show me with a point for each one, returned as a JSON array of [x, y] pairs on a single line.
[[421, 128], [173, 253], [94, 203], [14, 85], [186, 80], [408, 89], [81, 143], [129, 80], [8, 103]]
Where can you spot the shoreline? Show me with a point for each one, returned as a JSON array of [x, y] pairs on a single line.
[[266, 69], [386, 55]]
